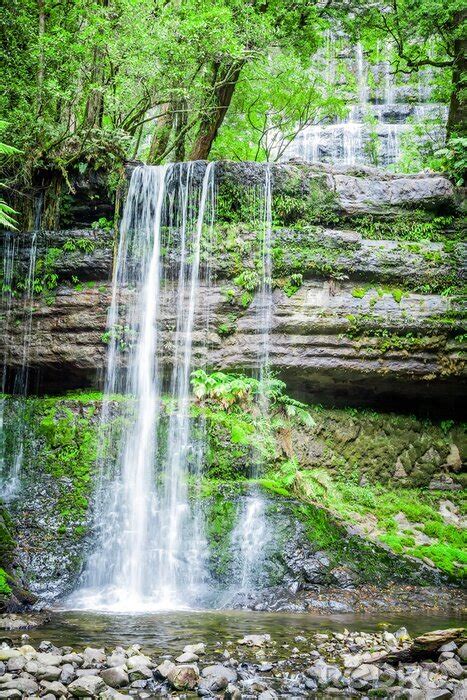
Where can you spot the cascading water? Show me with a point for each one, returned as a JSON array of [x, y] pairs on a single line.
[[386, 116], [250, 535], [11, 471], [150, 554]]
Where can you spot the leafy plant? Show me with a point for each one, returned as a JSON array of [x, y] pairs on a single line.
[[7, 213]]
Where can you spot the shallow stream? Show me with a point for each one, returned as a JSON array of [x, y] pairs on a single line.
[[168, 632]]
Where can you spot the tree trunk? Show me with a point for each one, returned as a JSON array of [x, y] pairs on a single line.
[[181, 120], [95, 102], [457, 118], [427, 645], [161, 135], [40, 61], [224, 84]]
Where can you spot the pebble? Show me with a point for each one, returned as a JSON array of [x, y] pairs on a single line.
[[344, 663]]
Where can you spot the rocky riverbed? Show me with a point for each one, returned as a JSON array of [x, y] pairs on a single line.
[[322, 664]]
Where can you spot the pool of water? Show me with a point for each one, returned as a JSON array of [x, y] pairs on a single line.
[[168, 632]]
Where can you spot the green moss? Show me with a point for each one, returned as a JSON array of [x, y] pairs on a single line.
[[5, 589]]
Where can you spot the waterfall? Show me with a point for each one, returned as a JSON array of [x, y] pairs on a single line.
[[392, 111], [150, 554], [10, 469], [250, 535]]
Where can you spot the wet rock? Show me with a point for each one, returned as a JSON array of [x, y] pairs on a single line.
[[268, 695], [93, 656], [80, 672], [184, 677], [141, 673], [217, 677], [452, 668], [55, 688], [72, 658], [86, 686], [255, 640], [165, 668], [115, 677], [10, 693], [460, 691], [199, 649], [68, 674], [232, 692], [139, 660], [48, 673], [187, 658], [17, 663], [352, 660], [365, 676], [25, 685], [324, 674]]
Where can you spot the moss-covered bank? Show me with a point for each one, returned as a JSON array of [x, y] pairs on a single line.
[[356, 490]]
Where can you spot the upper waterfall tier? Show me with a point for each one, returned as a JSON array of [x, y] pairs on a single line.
[[366, 269]]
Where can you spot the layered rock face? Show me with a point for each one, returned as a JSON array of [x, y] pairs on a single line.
[[355, 319]]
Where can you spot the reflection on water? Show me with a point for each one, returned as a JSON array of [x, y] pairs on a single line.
[[168, 632]]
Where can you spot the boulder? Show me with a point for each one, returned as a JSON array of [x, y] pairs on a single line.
[[27, 686], [86, 686], [115, 677], [55, 688], [165, 668], [199, 648], [452, 668], [184, 677]]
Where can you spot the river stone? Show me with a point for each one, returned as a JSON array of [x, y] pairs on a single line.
[[116, 658], [452, 668], [220, 670], [139, 660], [365, 676], [2, 668], [115, 677], [80, 672], [72, 658], [10, 693], [94, 656], [26, 685], [48, 673], [86, 686], [232, 693], [198, 648], [267, 695], [55, 688], [255, 640], [140, 673], [462, 652], [460, 690], [68, 673], [352, 660], [16, 663], [27, 649], [7, 653], [187, 658], [184, 677], [49, 659], [324, 674], [165, 668]]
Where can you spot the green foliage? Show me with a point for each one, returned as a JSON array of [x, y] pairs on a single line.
[[7, 213], [5, 589], [229, 326], [293, 284], [453, 159], [345, 499], [103, 224]]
